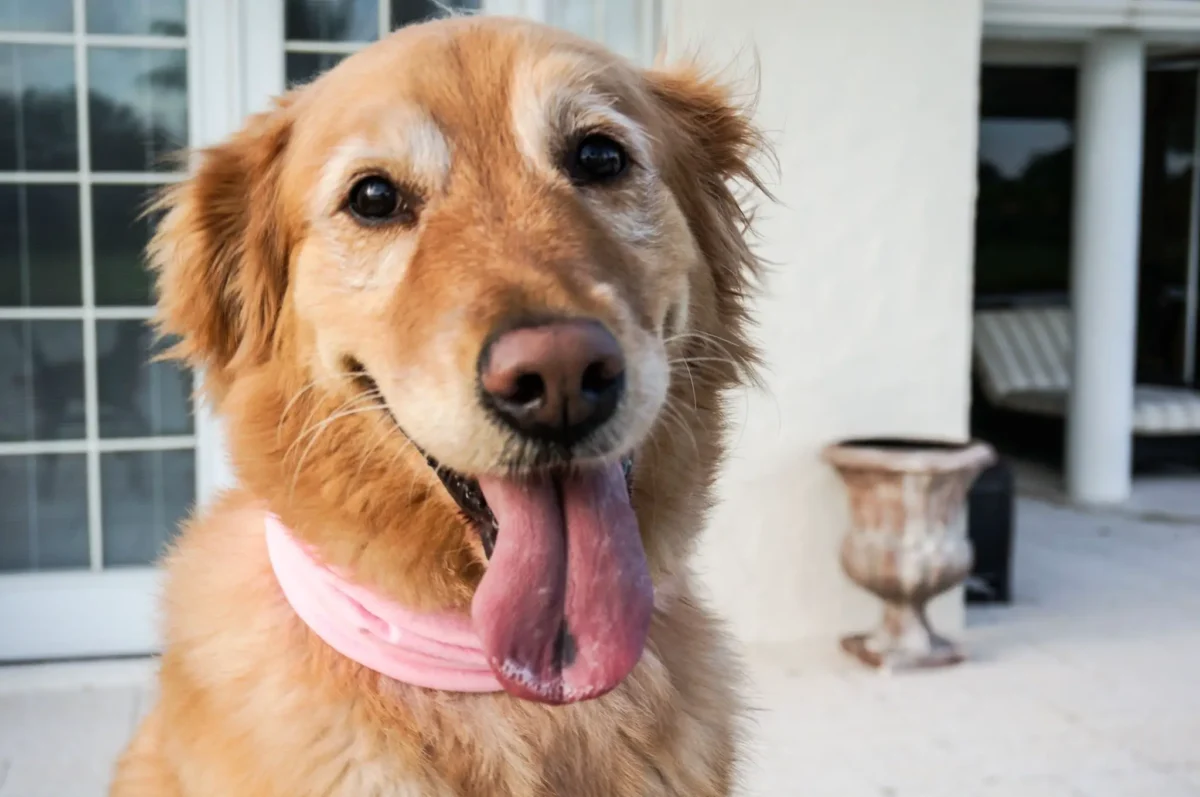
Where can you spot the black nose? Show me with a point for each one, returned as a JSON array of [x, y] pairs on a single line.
[[555, 382]]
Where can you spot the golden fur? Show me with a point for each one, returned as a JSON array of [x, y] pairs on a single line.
[[270, 288]]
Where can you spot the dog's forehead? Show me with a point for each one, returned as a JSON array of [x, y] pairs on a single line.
[[472, 80]]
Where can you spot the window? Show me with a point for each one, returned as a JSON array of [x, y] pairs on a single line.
[[320, 33], [1026, 151], [97, 447]]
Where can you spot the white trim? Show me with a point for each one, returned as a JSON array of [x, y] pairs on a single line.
[[214, 108], [73, 676], [78, 614], [94, 40], [331, 48], [1078, 19], [650, 26], [227, 60], [111, 445], [538, 10], [75, 313], [504, 8], [96, 178], [261, 55], [672, 16], [87, 261], [599, 19], [384, 8]]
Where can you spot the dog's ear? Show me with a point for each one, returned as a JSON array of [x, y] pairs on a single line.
[[717, 132], [220, 252], [714, 152]]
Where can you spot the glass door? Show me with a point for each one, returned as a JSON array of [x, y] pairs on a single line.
[[320, 33], [98, 447], [1023, 219]]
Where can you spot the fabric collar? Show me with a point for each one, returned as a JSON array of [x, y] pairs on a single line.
[[434, 651]]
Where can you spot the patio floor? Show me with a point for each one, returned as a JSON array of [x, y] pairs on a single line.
[[1087, 685]]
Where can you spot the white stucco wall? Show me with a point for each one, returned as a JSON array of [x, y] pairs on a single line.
[[873, 107]]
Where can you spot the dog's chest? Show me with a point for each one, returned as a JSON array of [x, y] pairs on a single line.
[[488, 765]]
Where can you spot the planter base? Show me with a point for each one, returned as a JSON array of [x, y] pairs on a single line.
[[943, 654], [904, 641]]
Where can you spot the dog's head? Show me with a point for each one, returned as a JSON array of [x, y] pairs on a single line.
[[464, 300]]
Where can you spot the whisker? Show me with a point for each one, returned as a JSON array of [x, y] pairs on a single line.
[[316, 432], [288, 408], [691, 379], [380, 438], [672, 415], [309, 428]]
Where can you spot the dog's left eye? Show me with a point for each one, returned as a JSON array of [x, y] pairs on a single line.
[[375, 199], [597, 159]]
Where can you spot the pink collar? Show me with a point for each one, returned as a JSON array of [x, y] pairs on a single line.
[[434, 651]]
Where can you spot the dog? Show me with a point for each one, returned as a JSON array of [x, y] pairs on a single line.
[[470, 304]]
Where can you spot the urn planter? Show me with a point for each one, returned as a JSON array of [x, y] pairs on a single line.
[[907, 541]]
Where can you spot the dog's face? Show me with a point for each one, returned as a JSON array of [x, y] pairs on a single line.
[[463, 227], [509, 250]]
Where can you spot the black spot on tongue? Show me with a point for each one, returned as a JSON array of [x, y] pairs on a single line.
[[566, 647]]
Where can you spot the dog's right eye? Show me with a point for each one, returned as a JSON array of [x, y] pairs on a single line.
[[376, 199], [596, 159]]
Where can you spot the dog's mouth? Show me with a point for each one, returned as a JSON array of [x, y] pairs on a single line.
[[564, 608], [463, 489], [474, 506]]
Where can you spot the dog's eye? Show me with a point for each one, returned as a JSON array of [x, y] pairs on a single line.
[[376, 199], [597, 159]]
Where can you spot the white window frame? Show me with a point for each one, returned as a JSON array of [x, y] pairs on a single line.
[[1062, 20], [98, 612]]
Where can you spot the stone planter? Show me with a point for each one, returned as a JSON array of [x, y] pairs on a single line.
[[907, 542]]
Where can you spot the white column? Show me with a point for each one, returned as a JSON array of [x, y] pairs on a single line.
[[1104, 267]]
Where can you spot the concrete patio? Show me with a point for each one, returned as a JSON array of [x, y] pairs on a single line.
[[1086, 685]]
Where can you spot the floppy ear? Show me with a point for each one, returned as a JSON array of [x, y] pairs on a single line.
[[221, 251], [714, 150]]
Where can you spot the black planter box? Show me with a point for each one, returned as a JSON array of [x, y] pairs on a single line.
[[990, 527]]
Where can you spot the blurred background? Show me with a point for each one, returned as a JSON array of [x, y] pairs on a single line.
[[987, 226]]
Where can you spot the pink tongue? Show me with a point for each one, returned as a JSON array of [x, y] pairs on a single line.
[[564, 608]]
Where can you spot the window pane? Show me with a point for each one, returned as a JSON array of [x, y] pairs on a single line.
[[37, 108], [39, 246], [1167, 213], [43, 16], [1026, 156], [120, 235], [137, 17], [41, 380], [577, 16], [44, 522], [137, 108], [145, 494], [138, 398], [332, 20], [406, 12], [303, 67], [622, 30]]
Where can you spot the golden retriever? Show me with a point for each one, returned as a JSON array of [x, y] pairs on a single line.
[[440, 296]]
